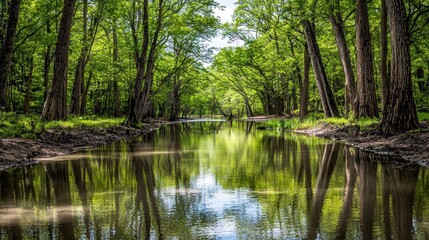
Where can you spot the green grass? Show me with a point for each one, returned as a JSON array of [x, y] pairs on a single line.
[[315, 120], [423, 116], [18, 125]]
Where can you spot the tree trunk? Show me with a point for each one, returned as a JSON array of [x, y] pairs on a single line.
[[303, 86], [144, 104], [399, 112], [7, 50], [28, 87], [132, 118], [328, 100], [80, 68], [117, 106], [249, 111], [338, 28], [383, 54], [175, 99], [85, 94], [366, 99], [55, 107]]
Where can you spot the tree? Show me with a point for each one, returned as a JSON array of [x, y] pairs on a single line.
[[328, 101], [399, 111], [6, 50], [55, 107], [366, 105], [87, 43], [337, 23]]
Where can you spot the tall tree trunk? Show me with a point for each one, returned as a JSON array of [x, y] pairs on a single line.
[[132, 118], [303, 86], [366, 99], [399, 112], [338, 28], [85, 94], [28, 86], [80, 68], [383, 54], [175, 98], [249, 111], [328, 100], [7, 50], [55, 107], [116, 107], [144, 105], [47, 63], [87, 42]]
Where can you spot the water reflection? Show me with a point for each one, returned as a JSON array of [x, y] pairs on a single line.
[[216, 180]]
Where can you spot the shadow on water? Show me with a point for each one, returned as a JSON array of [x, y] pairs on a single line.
[[212, 180]]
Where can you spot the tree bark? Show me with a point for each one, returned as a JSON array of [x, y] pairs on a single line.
[[366, 99], [303, 86], [55, 107], [383, 54], [80, 68], [144, 104], [132, 118], [117, 106], [350, 85], [328, 100], [28, 84], [7, 50], [399, 112]]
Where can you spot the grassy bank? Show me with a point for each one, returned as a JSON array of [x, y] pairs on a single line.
[[315, 120], [17, 125]]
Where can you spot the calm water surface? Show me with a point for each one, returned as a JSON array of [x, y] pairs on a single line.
[[216, 180]]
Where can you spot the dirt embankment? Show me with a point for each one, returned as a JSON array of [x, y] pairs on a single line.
[[409, 148], [58, 141]]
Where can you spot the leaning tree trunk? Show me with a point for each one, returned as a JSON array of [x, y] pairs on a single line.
[[338, 28], [328, 100], [399, 112], [303, 86], [366, 99], [7, 50], [55, 107]]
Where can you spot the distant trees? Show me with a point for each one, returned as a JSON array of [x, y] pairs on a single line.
[[144, 59]]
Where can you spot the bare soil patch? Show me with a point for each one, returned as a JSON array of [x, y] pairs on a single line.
[[16, 152]]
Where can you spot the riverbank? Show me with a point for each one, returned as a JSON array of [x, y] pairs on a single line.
[[57, 141], [408, 148]]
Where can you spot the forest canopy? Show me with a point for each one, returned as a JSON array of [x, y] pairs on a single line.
[[153, 58]]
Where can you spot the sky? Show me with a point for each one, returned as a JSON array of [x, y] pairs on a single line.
[[225, 16]]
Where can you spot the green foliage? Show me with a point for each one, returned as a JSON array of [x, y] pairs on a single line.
[[423, 116], [18, 125]]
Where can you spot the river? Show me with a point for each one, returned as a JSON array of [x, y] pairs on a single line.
[[216, 180]]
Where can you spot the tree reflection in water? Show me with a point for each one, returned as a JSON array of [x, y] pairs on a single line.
[[216, 180]]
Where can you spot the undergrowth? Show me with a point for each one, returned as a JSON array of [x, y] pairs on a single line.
[[18, 125], [315, 120]]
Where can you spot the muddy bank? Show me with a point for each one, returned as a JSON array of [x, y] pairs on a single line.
[[16, 152], [408, 148]]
